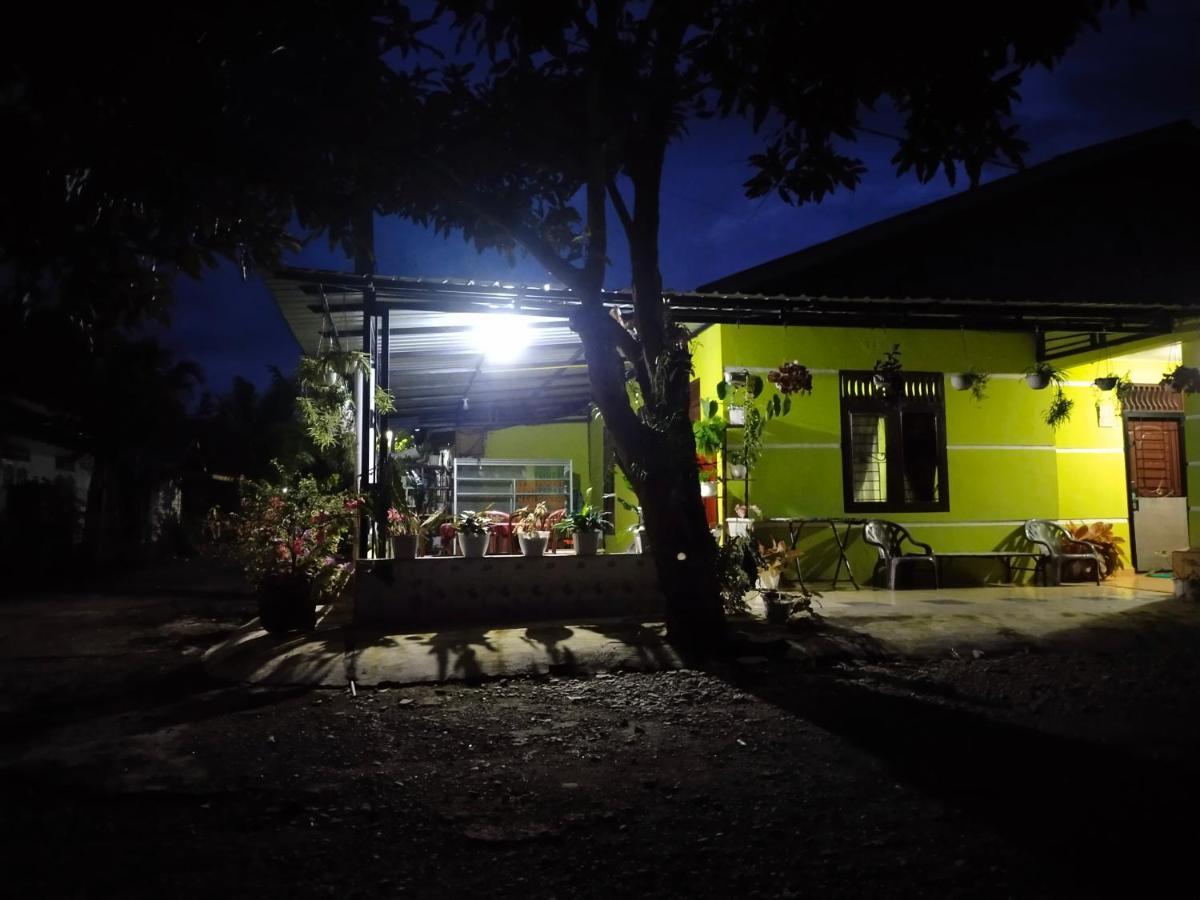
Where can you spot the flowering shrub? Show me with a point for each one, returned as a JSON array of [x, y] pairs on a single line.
[[288, 532]]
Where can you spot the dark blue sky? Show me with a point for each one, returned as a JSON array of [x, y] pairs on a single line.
[[1136, 74]]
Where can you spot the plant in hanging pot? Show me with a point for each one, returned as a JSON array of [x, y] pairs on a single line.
[[888, 374], [472, 530], [971, 380], [533, 530], [1182, 378], [1059, 412], [1039, 376], [586, 526], [1107, 382], [791, 378]]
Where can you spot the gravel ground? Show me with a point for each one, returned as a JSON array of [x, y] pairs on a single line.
[[1055, 773]]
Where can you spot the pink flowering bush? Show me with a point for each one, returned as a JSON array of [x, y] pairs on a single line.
[[291, 533]]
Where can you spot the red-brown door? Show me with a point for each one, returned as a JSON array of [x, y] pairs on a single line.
[[1158, 493]]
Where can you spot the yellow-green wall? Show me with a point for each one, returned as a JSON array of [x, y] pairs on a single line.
[[576, 441]]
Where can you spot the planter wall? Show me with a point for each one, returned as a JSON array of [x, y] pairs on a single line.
[[436, 591]]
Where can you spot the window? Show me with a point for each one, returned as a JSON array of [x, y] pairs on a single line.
[[894, 448]]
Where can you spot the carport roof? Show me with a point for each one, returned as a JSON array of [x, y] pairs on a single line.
[[440, 378]]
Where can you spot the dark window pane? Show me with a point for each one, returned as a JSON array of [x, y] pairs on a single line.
[[919, 437]]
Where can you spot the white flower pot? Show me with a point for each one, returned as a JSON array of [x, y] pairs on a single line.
[[768, 580], [639, 540], [737, 470], [405, 546], [532, 545], [708, 489], [962, 381], [473, 545], [737, 415], [738, 527], [587, 543]]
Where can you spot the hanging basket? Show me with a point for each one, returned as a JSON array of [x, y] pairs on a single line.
[[1107, 383]]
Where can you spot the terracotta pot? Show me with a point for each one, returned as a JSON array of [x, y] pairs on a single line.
[[532, 545], [405, 546], [587, 543], [285, 603], [473, 546]]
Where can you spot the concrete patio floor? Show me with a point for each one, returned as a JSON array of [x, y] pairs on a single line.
[[919, 623]]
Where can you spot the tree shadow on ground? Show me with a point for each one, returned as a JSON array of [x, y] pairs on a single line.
[[549, 637], [646, 643], [455, 652], [1098, 817]]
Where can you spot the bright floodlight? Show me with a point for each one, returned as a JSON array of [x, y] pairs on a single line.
[[501, 337]]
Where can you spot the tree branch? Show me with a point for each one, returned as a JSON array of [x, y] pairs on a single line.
[[621, 209], [537, 247]]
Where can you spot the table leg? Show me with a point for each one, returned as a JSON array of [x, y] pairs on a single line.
[[793, 538], [840, 540]]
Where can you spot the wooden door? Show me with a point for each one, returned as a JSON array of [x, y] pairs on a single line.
[[1157, 490]]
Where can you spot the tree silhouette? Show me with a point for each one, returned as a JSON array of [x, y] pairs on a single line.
[[518, 125]]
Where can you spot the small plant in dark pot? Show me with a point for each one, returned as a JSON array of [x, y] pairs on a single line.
[[287, 535], [1182, 378], [888, 374], [1039, 376]]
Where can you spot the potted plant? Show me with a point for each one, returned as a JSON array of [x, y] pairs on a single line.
[[404, 526], [709, 431], [1039, 375], [791, 378], [971, 380], [287, 536], [1182, 378], [586, 527], [708, 484], [888, 374], [1107, 382], [533, 532], [737, 464], [472, 530], [741, 524], [773, 558], [1097, 536], [1060, 408]]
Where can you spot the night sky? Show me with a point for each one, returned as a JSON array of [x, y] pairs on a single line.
[[1136, 74]]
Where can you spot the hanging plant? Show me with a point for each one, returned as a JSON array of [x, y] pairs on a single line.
[[1040, 375], [970, 380], [791, 378], [1182, 378], [325, 404], [1060, 409], [1106, 382], [888, 376], [742, 391], [709, 430]]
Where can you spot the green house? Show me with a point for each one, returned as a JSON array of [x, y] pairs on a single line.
[[1086, 262]]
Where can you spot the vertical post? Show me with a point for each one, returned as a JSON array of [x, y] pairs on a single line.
[[364, 264]]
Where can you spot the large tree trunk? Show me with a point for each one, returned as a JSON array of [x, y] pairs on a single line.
[[683, 549], [657, 452]]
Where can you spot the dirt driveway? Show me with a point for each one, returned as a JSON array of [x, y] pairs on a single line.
[[1041, 768]]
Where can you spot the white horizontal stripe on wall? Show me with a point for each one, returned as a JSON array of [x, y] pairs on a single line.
[[763, 370], [1191, 417], [986, 523], [1089, 450], [1000, 447], [781, 446]]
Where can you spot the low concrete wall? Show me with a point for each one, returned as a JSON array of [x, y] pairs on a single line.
[[451, 590]]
